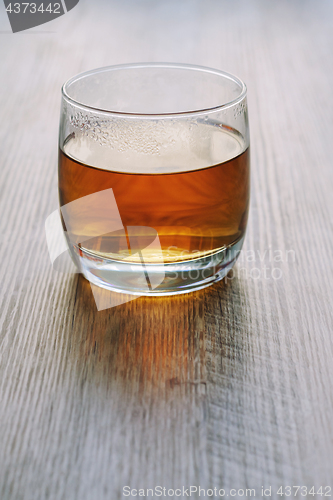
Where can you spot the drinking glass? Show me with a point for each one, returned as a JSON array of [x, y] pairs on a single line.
[[154, 175]]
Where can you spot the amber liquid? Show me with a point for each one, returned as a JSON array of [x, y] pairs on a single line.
[[195, 212]]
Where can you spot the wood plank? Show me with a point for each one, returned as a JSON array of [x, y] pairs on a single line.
[[229, 387]]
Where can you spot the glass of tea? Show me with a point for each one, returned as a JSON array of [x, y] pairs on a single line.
[[154, 175]]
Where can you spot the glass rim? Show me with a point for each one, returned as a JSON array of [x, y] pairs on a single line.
[[224, 74]]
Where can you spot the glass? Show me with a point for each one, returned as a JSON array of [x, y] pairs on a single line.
[[154, 176]]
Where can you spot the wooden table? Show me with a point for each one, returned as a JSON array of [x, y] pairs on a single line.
[[230, 387]]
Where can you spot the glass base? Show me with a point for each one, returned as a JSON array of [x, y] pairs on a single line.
[[157, 279]]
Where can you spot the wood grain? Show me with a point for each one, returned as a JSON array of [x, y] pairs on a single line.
[[229, 387]]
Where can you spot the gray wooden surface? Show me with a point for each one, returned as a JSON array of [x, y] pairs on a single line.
[[230, 387]]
